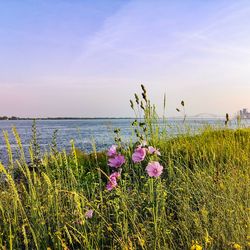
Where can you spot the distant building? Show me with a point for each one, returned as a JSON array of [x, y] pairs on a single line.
[[244, 114]]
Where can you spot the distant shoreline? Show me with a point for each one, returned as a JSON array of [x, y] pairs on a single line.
[[13, 118], [62, 118]]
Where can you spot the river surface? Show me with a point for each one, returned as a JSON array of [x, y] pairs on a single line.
[[85, 132]]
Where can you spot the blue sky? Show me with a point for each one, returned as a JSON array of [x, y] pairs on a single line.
[[87, 58]]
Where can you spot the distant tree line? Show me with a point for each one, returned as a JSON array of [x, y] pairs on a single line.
[[9, 118], [60, 118]]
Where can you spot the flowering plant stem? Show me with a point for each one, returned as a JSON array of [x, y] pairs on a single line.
[[153, 201]]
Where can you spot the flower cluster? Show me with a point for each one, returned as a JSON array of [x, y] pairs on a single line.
[[116, 160], [154, 169]]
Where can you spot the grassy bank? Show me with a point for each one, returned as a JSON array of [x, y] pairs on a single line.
[[200, 201]]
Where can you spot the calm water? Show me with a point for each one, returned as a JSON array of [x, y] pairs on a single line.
[[83, 132]]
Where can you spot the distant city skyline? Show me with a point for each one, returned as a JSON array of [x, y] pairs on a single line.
[[87, 58]]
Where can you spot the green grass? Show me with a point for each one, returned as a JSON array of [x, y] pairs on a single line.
[[202, 197]]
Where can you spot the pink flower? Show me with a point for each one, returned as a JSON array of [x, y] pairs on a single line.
[[139, 154], [112, 183], [153, 150], [115, 175], [89, 214], [112, 151], [117, 161], [154, 169]]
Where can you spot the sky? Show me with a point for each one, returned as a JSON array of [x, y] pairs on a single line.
[[86, 58]]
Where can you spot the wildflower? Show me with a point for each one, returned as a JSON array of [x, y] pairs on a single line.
[[114, 175], [112, 151], [139, 154], [89, 214], [196, 246], [154, 169], [117, 161], [112, 183], [153, 150], [141, 241], [236, 246]]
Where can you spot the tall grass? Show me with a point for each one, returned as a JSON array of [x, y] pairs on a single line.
[[201, 201]]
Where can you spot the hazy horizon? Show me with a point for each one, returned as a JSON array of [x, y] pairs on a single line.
[[87, 58]]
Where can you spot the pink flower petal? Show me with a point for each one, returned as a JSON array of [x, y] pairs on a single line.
[[152, 150], [117, 161], [139, 155], [154, 169], [112, 151]]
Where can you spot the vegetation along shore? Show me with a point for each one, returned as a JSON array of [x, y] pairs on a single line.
[[190, 191]]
